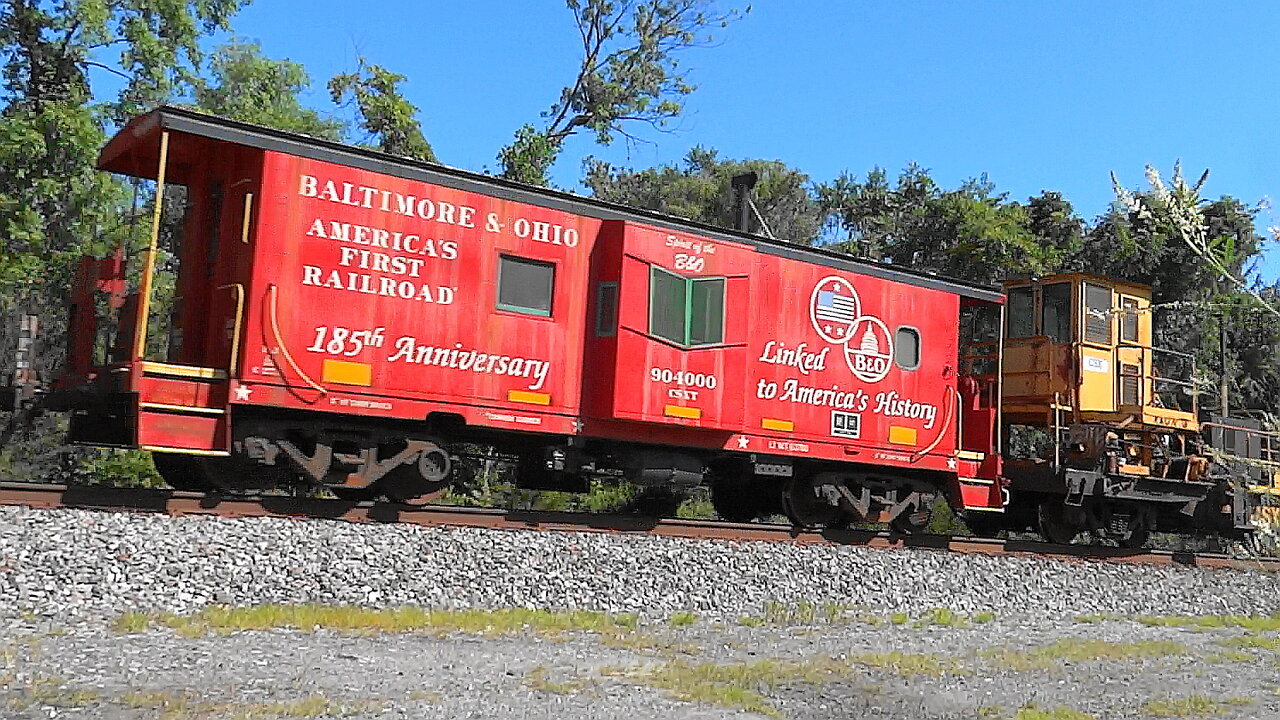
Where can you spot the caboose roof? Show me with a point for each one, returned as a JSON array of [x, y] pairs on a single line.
[[135, 151]]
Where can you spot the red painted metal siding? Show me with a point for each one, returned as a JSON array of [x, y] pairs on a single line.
[[401, 276], [804, 366]]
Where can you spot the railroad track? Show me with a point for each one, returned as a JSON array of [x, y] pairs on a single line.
[[177, 503]]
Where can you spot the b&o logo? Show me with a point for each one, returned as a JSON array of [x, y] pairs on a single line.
[[871, 350]]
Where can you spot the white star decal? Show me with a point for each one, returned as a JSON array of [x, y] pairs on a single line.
[[577, 426], [743, 440], [951, 463], [242, 393]]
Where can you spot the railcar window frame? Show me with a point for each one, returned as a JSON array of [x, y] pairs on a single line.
[[1056, 321], [607, 298], [516, 306], [1014, 325], [701, 319], [1098, 321], [898, 345], [1129, 309]]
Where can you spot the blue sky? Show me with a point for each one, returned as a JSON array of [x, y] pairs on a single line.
[[1037, 95]]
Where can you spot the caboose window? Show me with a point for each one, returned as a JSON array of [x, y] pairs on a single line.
[[606, 309], [525, 286], [1128, 319], [1022, 319], [1055, 312], [688, 311], [906, 349], [1097, 314], [706, 311]]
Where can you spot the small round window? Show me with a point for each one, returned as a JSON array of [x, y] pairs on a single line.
[[906, 352]]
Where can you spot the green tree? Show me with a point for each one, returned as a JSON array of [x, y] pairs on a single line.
[[629, 73], [699, 190], [971, 233], [54, 205], [1198, 256], [245, 85], [384, 113]]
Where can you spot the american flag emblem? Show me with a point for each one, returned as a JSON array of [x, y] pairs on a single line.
[[834, 307]]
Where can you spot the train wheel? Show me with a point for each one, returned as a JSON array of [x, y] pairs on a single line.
[[182, 472], [420, 482], [1055, 527], [805, 507], [912, 522], [1137, 538], [734, 499]]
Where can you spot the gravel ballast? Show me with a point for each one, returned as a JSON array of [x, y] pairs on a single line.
[[78, 563]]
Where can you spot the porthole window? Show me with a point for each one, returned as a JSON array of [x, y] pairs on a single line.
[[525, 286], [906, 348]]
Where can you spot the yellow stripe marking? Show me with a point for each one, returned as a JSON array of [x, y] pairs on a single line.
[[184, 451], [347, 373], [204, 373], [899, 435], [165, 407], [525, 396], [783, 425], [680, 411], [970, 455]]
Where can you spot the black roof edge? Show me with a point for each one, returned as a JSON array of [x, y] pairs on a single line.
[[220, 128]]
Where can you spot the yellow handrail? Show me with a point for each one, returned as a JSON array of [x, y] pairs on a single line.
[[149, 263], [235, 332], [275, 333]]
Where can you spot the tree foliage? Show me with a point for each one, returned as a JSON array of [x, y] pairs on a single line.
[[699, 190], [1198, 255], [245, 85], [384, 113], [971, 232], [629, 72]]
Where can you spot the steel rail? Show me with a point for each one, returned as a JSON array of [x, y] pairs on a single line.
[[180, 503]]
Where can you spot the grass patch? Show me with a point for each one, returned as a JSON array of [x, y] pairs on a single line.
[[187, 705], [683, 618], [1191, 707], [50, 692], [1077, 650], [132, 622], [1261, 642], [643, 642], [909, 665], [1062, 712], [737, 685], [750, 621], [1253, 623], [538, 680], [1228, 656], [220, 620], [740, 686], [983, 617], [944, 618]]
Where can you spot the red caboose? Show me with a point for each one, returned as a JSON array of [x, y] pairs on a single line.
[[348, 319]]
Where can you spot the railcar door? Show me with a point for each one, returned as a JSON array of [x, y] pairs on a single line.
[[671, 312]]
